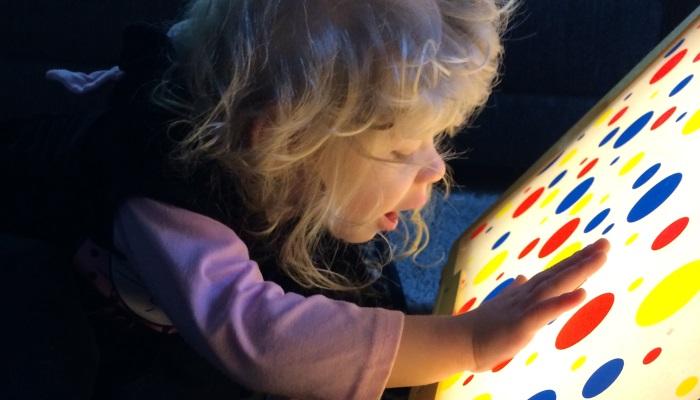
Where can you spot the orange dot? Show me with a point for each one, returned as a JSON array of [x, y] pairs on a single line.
[[652, 355], [584, 321]]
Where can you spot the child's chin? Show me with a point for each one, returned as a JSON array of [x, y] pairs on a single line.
[[355, 236]]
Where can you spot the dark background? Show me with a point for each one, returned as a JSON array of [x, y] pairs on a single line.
[[561, 57]]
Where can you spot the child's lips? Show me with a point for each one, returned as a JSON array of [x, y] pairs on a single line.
[[390, 220]]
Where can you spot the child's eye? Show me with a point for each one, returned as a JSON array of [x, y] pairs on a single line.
[[400, 156]]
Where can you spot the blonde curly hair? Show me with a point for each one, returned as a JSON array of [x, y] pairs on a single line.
[[321, 75]]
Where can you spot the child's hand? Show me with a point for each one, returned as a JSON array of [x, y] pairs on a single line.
[[80, 82], [504, 325]]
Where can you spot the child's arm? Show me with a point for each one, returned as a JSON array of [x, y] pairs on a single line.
[[199, 273]]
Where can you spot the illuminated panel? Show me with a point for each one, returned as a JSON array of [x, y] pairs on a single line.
[[632, 175]]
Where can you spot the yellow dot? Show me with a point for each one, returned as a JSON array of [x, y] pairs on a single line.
[[530, 359], [603, 117], [564, 254], [483, 396], [504, 210], [635, 284], [693, 124], [686, 386], [605, 198], [543, 220], [670, 295], [654, 94], [581, 204], [578, 363], [490, 267], [631, 239], [549, 197], [629, 165], [568, 157], [451, 380]]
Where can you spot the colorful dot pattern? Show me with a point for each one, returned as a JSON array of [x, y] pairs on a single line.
[[633, 176]]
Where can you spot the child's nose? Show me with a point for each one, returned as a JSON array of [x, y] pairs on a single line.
[[433, 171]]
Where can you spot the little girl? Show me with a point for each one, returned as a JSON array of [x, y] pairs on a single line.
[[253, 162]]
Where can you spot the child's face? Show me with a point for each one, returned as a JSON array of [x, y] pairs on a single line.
[[390, 187]]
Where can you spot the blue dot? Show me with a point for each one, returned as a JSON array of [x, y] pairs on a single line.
[[633, 129], [654, 197], [680, 117], [500, 240], [614, 161], [608, 229], [498, 289], [574, 195], [648, 174], [557, 179], [596, 220], [674, 48], [602, 378], [681, 85], [544, 395], [607, 137], [550, 164]]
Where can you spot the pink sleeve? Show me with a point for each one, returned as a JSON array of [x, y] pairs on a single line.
[[200, 274]]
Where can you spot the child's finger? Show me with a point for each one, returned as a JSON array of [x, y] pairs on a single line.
[[519, 281], [601, 245], [549, 309], [570, 278]]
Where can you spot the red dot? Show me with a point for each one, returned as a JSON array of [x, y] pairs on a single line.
[[670, 233], [587, 168], [668, 66], [528, 248], [478, 230], [469, 379], [528, 202], [697, 58], [584, 321], [652, 355], [501, 365], [659, 121], [617, 116], [559, 237], [467, 306]]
